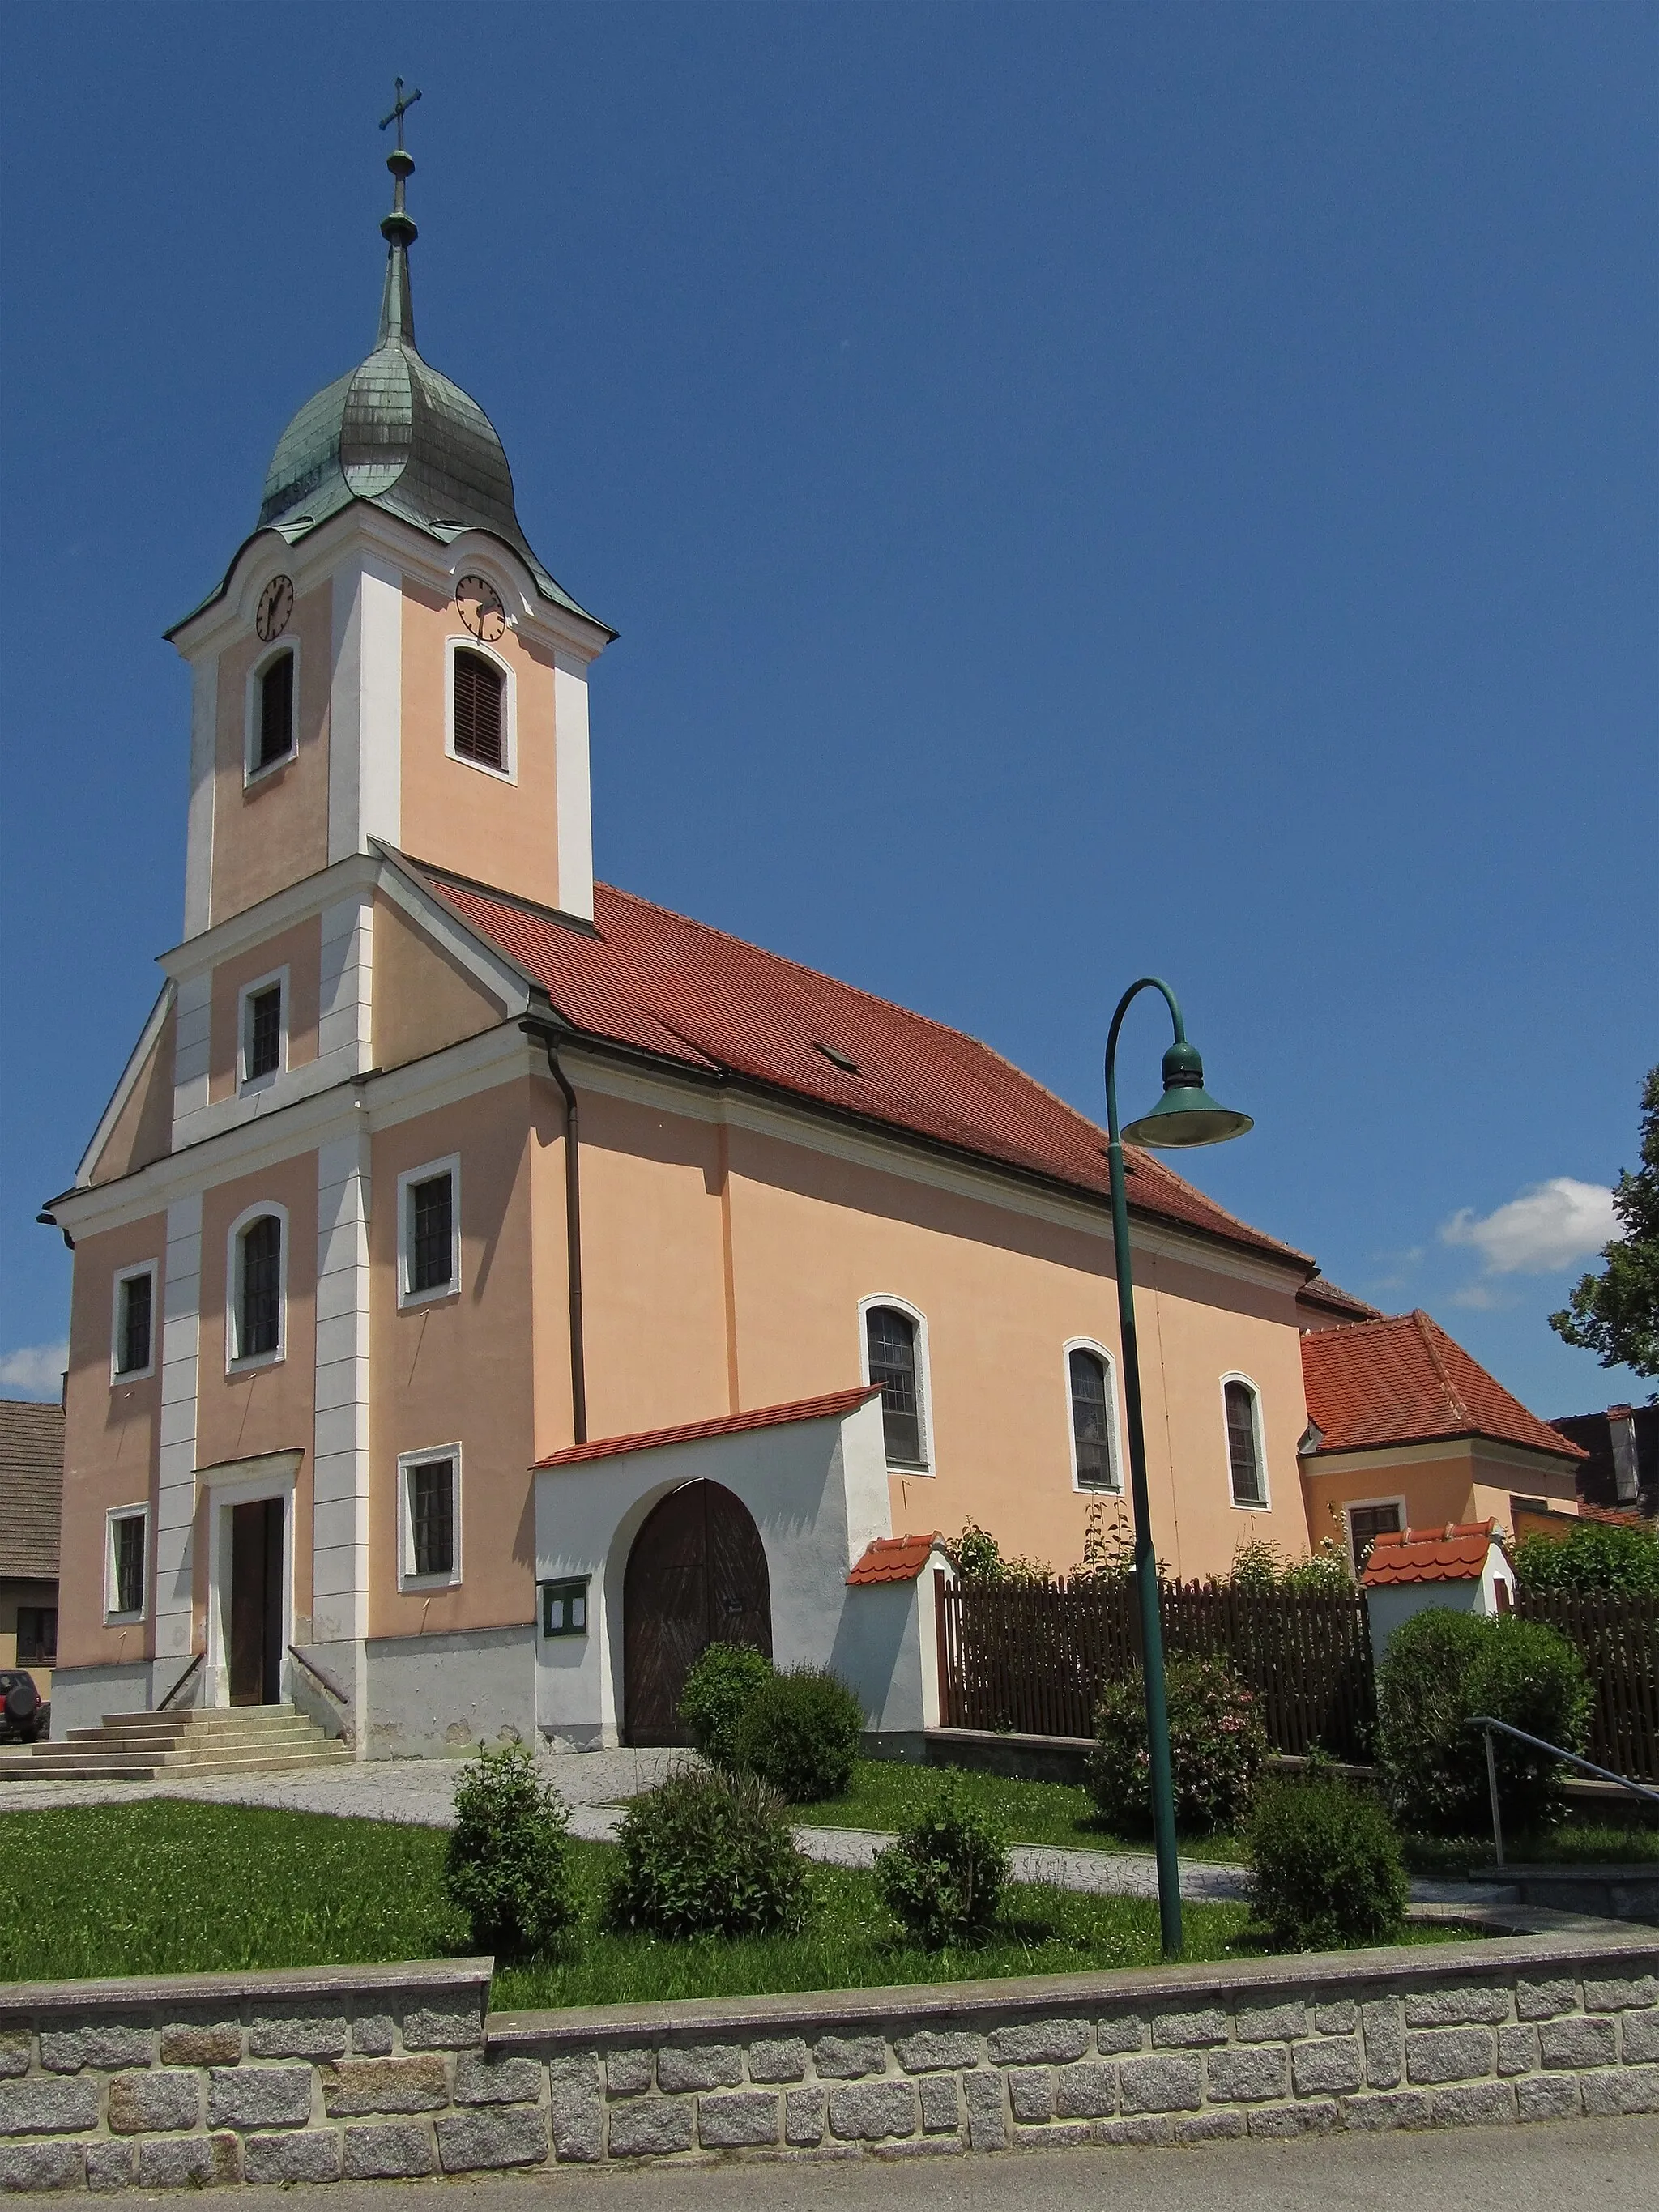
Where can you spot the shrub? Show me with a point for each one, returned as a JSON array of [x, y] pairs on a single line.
[[706, 1853], [1327, 1865], [942, 1879], [980, 1564], [801, 1732], [1217, 1745], [1259, 1567], [1444, 1666], [508, 1863], [1599, 1556], [717, 1690]]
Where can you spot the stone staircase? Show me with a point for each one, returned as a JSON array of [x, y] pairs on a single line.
[[142, 1747]]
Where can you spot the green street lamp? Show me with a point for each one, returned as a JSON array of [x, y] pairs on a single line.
[[1185, 1114]]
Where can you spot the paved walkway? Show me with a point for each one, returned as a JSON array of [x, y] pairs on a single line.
[[1570, 2166], [421, 1791]]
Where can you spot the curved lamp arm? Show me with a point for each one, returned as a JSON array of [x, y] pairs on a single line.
[[1146, 983]]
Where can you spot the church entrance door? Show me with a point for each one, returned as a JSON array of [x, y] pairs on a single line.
[[696, 1575], [256, 1602]]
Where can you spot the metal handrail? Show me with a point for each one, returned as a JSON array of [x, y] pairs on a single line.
[[318, 1675], [181, 1682], [1602, 1773]]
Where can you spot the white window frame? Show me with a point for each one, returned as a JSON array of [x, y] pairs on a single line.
[[235, 1363], [114, 1618], [252, 771], [1359, 1505], [407, 1462], [467, 643], [249, 1085], [1113, 1486], [450, 1166], [118, 1375], [928, 1466], [1265, 1502]]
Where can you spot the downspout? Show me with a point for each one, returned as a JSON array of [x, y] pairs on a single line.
[[572, 1228]]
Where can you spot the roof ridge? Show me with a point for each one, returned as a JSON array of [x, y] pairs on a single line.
[[1454, 1397]]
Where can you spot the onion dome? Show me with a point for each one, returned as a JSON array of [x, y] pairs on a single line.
[[396, 434]]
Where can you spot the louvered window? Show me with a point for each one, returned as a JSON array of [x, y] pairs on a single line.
[[432, 1517], [479, 687], [1244, 1446], [260, 1293], [1091, 1421], [133, 1325], [276, 710], [431, 1234], [890, 1336]]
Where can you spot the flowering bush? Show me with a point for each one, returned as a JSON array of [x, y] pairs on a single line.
[[1217, 1748], [981, 1564]]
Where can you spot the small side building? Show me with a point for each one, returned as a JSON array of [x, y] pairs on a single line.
[[31, 1505], [1464, 1567], [1406, 1429]]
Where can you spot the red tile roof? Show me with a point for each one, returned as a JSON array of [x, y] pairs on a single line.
[[836, 1402], [1455, 1553], [892, 1559], [1320, 1292], [1405, 1380], [678, 988]]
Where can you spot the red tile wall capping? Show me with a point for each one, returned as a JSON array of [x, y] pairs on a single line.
[[669, 986], [833, 1403], [1457, 1553], [1405, 1380], [893, 1559]]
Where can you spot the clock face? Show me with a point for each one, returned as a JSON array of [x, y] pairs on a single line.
[[481, 607], [275, 605]]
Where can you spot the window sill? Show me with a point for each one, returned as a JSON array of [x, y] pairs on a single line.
[[133, 1374], [1251, 1505], [254, 1361], [122, 1619], [1098, 1489], [252, 776], [435, 1297], [465, 760], [909, 1466], [417, 1583]]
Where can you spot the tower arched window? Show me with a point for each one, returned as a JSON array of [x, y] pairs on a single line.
[[256, 1311], [478, 721], [275, 725], [893, 1353]]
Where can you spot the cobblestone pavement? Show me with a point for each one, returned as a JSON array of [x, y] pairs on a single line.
[[421, 1791], [1571, 2165]]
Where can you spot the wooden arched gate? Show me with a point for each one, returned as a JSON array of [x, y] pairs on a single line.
[[696, 1575]]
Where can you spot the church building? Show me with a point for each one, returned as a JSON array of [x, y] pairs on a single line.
[[489, 1285]]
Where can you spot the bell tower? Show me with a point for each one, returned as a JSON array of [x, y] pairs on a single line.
[[385, 660]]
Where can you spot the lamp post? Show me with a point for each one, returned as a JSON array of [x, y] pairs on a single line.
[[1185, 1114]]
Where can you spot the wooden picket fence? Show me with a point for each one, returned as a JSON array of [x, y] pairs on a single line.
[[1030, 1658], [1618, 1638]]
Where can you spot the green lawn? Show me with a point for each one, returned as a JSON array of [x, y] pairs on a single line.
[[888, 1792], [166, 1887], [1574, 1843]]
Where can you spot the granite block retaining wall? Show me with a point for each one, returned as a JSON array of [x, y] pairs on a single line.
[[324, 2074]]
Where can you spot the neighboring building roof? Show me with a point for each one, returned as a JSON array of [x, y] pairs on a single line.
[[893, 1560], [1323, 1294], [649, 979], [31, 1487], [835, 1403], [1455, 1553], [1404, 1381], [1598, 1481]]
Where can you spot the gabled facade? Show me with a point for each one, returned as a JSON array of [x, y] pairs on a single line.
[[460, 1228]]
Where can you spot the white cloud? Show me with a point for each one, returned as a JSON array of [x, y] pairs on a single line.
[[1549, 1226], [36, 1368]]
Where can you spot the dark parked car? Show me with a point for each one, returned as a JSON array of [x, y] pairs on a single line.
[[23, 1717]]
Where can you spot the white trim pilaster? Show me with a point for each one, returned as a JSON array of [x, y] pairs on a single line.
[[365, 722], [345, 1009], [573, 796], [204, 749], [192, 1050], [176, 1477], [340, 1467]]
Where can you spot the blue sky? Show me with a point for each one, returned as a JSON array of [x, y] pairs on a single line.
[[1083, 489]]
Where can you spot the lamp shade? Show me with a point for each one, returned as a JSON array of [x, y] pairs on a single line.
[[1185, 1114]]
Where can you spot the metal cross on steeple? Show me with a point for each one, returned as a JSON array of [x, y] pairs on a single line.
[[399, 111]]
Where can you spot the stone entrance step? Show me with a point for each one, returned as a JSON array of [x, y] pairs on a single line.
[[140, 1747]]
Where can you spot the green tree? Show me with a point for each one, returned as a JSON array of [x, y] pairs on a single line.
[[1616, 1313]]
